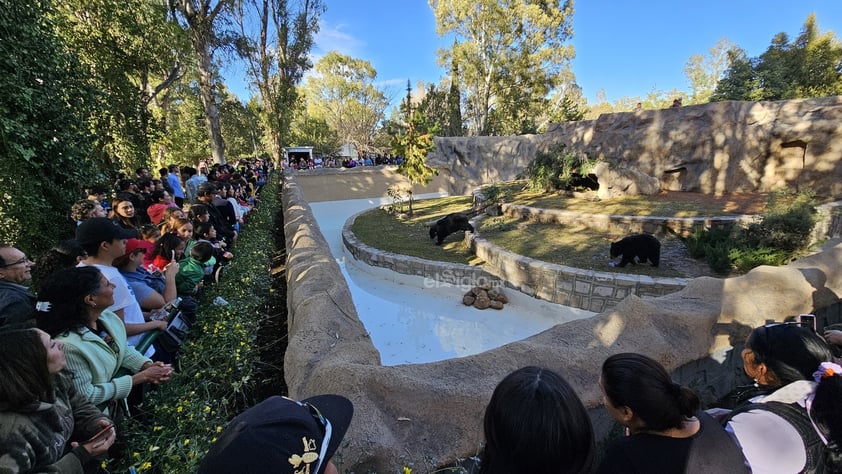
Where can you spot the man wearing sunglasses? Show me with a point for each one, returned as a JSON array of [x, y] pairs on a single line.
[[282, 436], [17, 303]]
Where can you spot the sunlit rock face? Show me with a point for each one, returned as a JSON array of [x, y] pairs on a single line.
[[715, 148]]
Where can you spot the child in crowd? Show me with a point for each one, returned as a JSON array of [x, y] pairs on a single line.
[[191, 270], [204, 231], [149, 235], [199, 213], [168, 222], [183, 228], [168, 248]]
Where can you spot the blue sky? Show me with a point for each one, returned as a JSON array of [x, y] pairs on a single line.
[[623, 48]]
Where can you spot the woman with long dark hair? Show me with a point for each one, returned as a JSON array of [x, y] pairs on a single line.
[[40, 410], [124, 213], [797, 425], [72, 308], [535, 423], [665, 431]]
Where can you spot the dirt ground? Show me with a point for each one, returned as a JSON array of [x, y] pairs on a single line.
[[742, 203]]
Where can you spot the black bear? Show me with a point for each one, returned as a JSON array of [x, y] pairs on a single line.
[[448, 225], [643, 246]]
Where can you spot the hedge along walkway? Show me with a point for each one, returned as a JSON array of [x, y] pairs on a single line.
[[220, 371]]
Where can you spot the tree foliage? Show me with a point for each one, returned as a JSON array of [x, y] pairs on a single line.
[[342, 93], [208, 24], [704, 71], [131, 56], [413, 142], [45, 143], [507, 55], [809, 66], [277, 58]]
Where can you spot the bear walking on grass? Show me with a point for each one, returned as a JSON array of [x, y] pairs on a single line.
[[448, 225], [641, 246]]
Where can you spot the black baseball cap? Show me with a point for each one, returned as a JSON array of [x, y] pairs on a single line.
[[281, 435], [102, 229]]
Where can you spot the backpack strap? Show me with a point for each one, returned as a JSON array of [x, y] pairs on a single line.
[[713, 450], [797, 417]]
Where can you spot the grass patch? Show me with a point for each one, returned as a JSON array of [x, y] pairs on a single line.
[[410, 235], [628, 206]]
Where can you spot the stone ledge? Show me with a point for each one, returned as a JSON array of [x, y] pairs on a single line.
[[620, 224], [585, 289], [444, 273]]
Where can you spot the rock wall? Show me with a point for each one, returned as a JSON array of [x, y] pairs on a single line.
[[714, 148], [429, 414]]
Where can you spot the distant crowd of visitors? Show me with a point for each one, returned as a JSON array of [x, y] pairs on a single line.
[[343, 162], [79, 348]]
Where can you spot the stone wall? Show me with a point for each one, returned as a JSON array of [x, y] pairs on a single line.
[[715, 148], [623, 225], [584, 289], [412, 414]]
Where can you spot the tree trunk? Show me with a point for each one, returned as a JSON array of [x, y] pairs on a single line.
[[208, 96]]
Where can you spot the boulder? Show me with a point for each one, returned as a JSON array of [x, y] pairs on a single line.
[[619, 181]]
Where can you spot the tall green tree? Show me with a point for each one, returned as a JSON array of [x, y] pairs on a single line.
[[343, 93], [704, 71], [277, 54], [809, 66], [209, 26], [45, 142], [509, 54], [413, 142]]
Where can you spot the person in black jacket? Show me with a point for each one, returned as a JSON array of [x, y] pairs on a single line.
[[206, 194]]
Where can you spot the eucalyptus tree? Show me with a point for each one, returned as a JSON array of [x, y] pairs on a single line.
[[508, 55], [209, 25], [277, 56], [342, 92], [703, 72]]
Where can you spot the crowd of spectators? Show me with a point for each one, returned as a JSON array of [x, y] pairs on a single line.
[[80, 348], [96, 317], [319, 162]]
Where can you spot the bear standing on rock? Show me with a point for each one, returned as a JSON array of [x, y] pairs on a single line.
[[448, 225]]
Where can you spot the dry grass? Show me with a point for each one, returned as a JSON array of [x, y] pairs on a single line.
[[577, 247], [411, 235]]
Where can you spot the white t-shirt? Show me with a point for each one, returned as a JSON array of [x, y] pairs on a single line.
[[124, 299]]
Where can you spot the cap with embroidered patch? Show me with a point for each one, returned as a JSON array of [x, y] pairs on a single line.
[[280, 435]]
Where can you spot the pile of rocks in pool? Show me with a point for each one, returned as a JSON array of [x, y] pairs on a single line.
[[485, 296]]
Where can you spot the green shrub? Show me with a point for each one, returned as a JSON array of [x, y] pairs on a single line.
[[747, 258], [786, 225], [781, 234], [556, 169]]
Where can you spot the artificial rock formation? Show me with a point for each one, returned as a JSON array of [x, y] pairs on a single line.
[[716, 148]]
